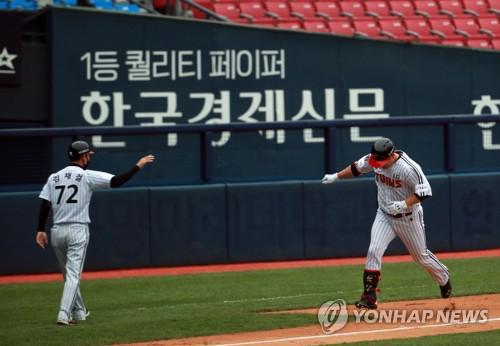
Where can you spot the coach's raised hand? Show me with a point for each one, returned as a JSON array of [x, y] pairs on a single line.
[[145, 160]]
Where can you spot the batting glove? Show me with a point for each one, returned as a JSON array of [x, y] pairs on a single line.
[[397, 207], [329, 178]]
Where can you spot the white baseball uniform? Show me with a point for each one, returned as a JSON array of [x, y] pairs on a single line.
[[396, 183], [69, 191]]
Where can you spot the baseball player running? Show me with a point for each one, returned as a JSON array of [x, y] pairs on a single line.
[[401, 187], [68, 193]]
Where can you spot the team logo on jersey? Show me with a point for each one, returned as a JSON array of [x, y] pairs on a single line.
[[392, 182]]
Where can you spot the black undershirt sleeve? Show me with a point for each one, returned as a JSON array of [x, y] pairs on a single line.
[[43, 214], [354, 170], [119, 180], [421, 198]]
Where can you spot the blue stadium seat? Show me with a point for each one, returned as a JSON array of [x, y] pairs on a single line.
[[131, 8], [69, 2], [103, 4], [23, 5]]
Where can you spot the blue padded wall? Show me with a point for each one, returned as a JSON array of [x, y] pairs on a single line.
[[188, 225]]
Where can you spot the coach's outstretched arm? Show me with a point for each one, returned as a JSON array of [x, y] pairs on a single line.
[[116, 181], [348, 172], [120, 179]]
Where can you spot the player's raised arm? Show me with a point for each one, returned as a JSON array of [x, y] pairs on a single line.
[[343, 174], [353, 170], [120, 179]]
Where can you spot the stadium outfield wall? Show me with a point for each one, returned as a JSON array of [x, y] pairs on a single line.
[[228, 223]]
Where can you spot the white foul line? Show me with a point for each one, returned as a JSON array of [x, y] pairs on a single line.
[[356, 333], [262, 299]]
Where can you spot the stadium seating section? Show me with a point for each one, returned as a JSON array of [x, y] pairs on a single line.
[[465, 23]]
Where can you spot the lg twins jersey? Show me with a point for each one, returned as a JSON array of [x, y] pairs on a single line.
[[70, 190], [402, 179]]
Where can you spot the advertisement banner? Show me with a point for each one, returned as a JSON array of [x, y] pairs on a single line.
[[116, 70]]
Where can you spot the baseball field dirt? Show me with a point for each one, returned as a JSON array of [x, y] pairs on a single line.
[[233, 267], [371, 329]]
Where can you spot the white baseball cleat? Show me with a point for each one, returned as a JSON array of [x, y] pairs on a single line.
[[65, 322], [83, 317]]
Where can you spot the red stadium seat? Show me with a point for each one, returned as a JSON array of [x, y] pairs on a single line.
[[478, 43], [476, 7], [280, 11], [468, 28], [297, 25], [395, 29], [494, 6], [304, 11], [420, 28], [427, 8], [255, 13], [316, 26], [496, 43], [367, 28], [403, 9], [445, 29], [490, 26], [327, 10], [377, 9], [341, 27], [452, 8], [456, 43], [352, 9], [230, 11]]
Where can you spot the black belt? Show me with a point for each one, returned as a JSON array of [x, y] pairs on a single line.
[[397, 216]]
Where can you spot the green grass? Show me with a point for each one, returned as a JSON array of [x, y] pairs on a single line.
[[139, 309]]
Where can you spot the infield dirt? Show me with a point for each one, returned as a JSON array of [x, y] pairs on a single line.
[[363, 331]]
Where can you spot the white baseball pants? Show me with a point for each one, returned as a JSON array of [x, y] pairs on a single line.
[[69, 242], [411, 230]]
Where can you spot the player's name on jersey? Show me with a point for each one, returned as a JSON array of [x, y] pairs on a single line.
[[67, 176]]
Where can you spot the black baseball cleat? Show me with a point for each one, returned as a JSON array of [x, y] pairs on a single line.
[[367, 301], [446, 290]]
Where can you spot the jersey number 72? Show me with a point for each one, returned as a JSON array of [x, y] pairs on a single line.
[[61, 189]]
